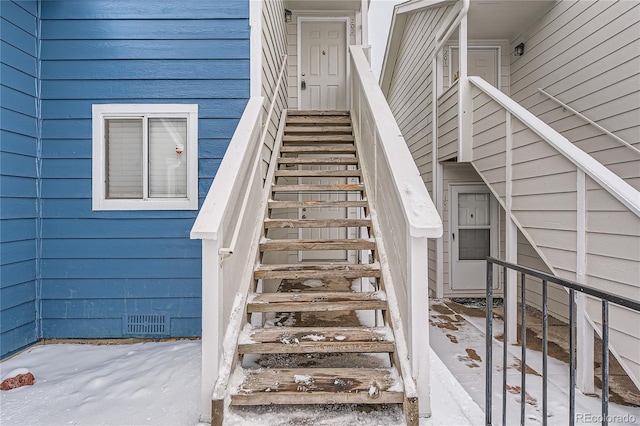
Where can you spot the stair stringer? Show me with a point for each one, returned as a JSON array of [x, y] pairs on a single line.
[[221, 397], [591, 303]]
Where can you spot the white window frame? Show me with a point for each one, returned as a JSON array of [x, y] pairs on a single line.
[[102, 112]]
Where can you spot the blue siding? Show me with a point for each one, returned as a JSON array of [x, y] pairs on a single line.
[[97, 267], [18, 175]]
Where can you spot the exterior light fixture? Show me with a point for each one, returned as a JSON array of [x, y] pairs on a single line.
[[287, 15], [519, 50]]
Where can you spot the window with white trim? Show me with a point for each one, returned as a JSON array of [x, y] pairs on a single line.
[[145, 157]]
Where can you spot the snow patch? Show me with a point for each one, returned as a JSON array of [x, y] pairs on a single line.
[[302, 379], [14, 373], [314, 337], [313, 283], [340, 338]]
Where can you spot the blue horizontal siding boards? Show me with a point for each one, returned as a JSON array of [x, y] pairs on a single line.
[[18, 175], [98, 267]]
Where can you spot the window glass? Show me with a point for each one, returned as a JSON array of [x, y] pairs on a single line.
[[124, 158], [167, 157]]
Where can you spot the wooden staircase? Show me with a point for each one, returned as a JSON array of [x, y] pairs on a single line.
[[303, 342]]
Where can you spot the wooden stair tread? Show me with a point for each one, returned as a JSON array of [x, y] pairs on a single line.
[[288, 139], [310, 187], [317, 113], [315, 129], [318, 386], [318, 160], [319, 120], [317, 271], [316, 223], [316, 340], [316, 301], [315, 204], [318, 149], [318, 173], [297, 244]]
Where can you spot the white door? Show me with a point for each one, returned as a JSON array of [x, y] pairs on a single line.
[[323, 213], [472, 235], [482, 62], [323, 65]]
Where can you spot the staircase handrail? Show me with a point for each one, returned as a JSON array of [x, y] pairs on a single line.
[[590, 121], [403, 219], [607, 179]]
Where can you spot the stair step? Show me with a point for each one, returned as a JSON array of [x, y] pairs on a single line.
[[319, 386], [316, 204], [317, 113], [289, 129], [280, 340], [319, 120], [317, 271], [319, 149], [323, 188], [316, 301], [318, 160], [297, 245], [290, 139], [318, 173], [316, 223]]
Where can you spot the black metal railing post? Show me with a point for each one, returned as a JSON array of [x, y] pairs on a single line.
[[489, 346]]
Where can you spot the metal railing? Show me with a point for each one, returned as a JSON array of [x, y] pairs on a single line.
[[590, 121], [572, 287]]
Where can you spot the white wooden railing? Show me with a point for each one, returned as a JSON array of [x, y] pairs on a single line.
[[229, 226], [551, 190], [404, 218]]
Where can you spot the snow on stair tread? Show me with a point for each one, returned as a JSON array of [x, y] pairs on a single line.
[[317, 270], [309, 187], [316, 301], [318, 386], [319, 120], [308, 244], [258, 340]]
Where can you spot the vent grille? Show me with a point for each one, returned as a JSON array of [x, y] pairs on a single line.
[[145, 325]]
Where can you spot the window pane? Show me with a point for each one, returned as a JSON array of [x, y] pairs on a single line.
[[474, 244], [124, 158], [168, 157]]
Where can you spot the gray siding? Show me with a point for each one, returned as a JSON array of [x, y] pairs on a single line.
[[586, 54], [274, 47]]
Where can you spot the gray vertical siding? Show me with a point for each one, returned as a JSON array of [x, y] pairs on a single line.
[[18, 175]]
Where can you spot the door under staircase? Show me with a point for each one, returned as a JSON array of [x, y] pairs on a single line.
[[326, 335]]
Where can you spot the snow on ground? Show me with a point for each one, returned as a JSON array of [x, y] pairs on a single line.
[[159, 383], [460, 343]]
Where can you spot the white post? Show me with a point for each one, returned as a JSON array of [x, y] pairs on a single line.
[[419, 299], [584, 335], [510, 302], [364, 8], [211, 322], [465, 130]]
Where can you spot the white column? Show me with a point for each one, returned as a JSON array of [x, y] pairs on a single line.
[[365, 21], [511, 243], [465, 129], [419, 300], [255, 21], [584, 335], [211, 323]]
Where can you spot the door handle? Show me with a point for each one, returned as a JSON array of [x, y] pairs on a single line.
[[304, 216], [453, 236], [303, 85]]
